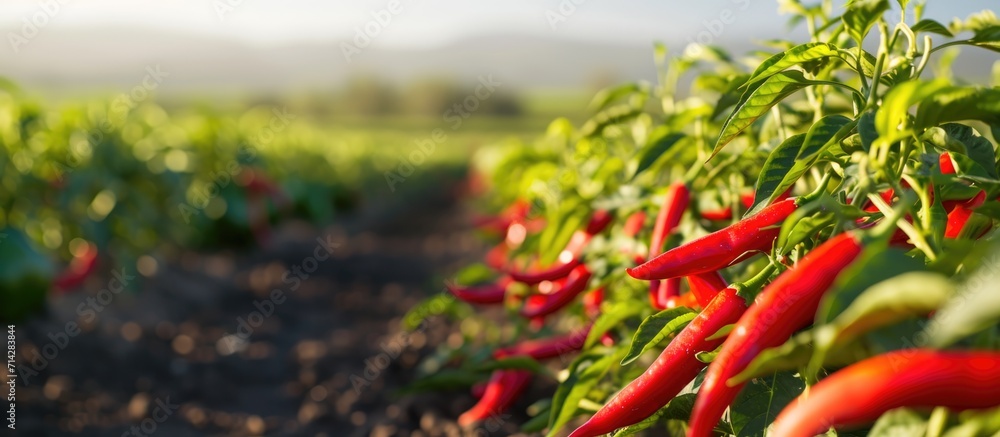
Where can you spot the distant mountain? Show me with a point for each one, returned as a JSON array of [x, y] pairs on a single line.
[[115, 59], [61, 61]]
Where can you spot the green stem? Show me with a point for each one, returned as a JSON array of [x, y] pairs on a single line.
[[750, 288]]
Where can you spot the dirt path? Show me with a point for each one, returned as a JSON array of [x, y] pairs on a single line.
[[254, 344]]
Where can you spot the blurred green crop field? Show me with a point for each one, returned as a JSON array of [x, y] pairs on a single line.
[[131, 178]]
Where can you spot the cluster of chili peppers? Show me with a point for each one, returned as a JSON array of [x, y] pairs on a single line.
[[760, 313]]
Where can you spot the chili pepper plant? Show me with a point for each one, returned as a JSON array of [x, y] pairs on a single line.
[[801, 243]]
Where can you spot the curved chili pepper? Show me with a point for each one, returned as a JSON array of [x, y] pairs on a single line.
[[550, 274], [569, 258], [599, 220], [501, 391], [721, 248], [481, 294], [786, 305], [959, 216], [665, 290], [547, 348], [947, 165], [674, 204], [704, 286], [860, 393], [747, 199], [576, 282], [634, 224], [685, 300], [676, 366], [592, 302], [81, 267]]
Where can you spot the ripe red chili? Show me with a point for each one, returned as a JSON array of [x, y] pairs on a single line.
[[81, 267], [685, 300], [576, 282], [676, 366], [569, 258], [660, 292], [547, 348], [482, 294], [704, 286], [786, 305], [947, 166], [959, 216], [634, 224], [862, 392], [501, 391], [721, 248], [674, 204]]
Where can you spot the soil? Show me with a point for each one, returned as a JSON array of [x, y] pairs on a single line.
[[190, 349]]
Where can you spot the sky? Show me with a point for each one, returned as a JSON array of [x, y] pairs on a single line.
[[423, 23]]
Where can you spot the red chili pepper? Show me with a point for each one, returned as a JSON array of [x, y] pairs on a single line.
[[719, 249], [592, 302], [674, 204], [550, 274], [665, 290], [576, 282], [634, 224], [676, 366], [786, 305], [81, 267], [569, 258], [685, 300], [959, 216], [546, 348], [862, 392], [599, 221], [747, 199], [501, 391], [482, 294], [704, 286], [947, 165], [496, 258]]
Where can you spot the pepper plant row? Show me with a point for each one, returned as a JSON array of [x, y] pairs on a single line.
[[805, 238]]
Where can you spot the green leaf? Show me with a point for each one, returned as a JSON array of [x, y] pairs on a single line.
[[757, 102], [822, 135], [776, 167], [445, 379], [585, 372], [679, 408], [903, 3], [867, 130], [861, 15], [899, 422], [875, 264], [518, 362], [988, 38], [656, 328], [956, 103], [789, 58], [975, 307], [759, 403], [891, 118], [793, 354], [611, 115], [928, 25], [804, 229], [608, 95], [899, 298], [731, 95], [611, 316], [660, 142]]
